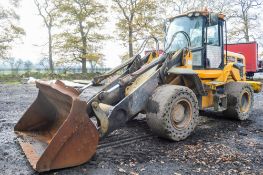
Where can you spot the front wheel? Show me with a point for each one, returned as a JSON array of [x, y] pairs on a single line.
[[173, 112], [240, 99]]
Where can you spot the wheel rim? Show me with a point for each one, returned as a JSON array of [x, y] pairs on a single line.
[[245, 102], [181, 114]]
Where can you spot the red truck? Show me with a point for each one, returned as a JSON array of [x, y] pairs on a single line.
[[250, 51]]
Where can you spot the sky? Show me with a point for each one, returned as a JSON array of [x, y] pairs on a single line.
[[33, 47]]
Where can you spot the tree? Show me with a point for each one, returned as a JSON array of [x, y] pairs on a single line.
[[44, 63], [10, 32], [82, 40], [14, 64], [47, 11], [28, 65], [241, 14], [245, 20], [137, 19], [65, 66], [175, 7], [223, 6]]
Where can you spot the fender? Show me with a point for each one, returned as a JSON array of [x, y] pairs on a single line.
[[190, 75]]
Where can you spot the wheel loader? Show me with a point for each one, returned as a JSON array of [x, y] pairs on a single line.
[[61, 130]]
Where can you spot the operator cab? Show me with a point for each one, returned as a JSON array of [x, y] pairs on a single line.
[[200, 32]]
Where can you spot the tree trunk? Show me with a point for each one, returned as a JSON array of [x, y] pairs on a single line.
[[84, 65], [84, 48], [91, 67], [130, 41], [50, 59], [246, 31]]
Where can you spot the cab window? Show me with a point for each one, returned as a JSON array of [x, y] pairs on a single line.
[[214, 55], [213, 36]]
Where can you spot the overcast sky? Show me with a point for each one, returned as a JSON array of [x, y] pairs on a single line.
[[36, 35]]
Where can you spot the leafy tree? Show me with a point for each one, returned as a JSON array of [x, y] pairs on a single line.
[[66, 66], [10, 32], [137, 19], [47, 11], [82, 40]]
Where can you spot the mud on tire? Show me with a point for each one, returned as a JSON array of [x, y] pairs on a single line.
[[240, 99], [173, 112]]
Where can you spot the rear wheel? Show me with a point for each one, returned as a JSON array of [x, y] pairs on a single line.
[[173, 112], [240, 99]]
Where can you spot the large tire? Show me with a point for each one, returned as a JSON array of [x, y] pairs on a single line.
[[240, 99], [173, 112]]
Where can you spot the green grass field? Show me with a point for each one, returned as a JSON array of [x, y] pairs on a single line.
[[10, 77]]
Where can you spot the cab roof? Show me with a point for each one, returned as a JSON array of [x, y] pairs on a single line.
[[205, 13]]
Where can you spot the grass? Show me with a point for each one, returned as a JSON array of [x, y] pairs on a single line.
[[17, 78]]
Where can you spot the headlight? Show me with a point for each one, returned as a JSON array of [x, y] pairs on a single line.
[[197, 14], [190, 14]]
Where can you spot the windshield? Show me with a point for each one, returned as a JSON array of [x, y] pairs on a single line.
[[192, 26]]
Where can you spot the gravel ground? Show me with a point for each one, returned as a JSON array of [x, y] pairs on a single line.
[[218, 145]]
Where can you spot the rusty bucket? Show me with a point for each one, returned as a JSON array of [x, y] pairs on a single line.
[[56, 132]]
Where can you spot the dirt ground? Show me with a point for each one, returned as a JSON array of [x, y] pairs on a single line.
[[218, 145]]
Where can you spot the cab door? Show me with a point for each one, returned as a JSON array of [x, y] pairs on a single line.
[[214, 46]]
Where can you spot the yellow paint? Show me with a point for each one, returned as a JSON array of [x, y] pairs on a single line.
[[187, 60], [256, 86], [151, 57], [209, 74], [139, 81], [219, 77], [208, 101], [211, 78], [235, 74], [216, 78], [233, 57], [142, 78]]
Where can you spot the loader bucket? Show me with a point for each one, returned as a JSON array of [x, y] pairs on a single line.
[[56, 132]]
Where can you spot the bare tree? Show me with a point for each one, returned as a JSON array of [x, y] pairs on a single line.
[[44, 63], [175, 7], [245, 20], [223, 6], [182, 6], [47, 11], [14, 64], [28, 65]]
